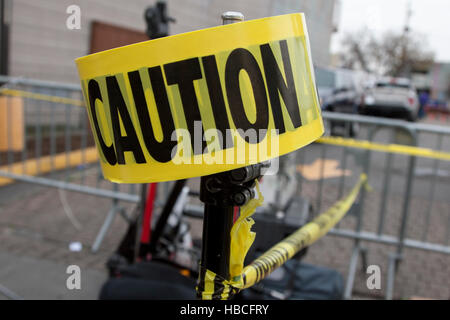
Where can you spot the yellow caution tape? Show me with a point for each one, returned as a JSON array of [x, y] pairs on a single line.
[[303, 237], [41, 97], [213, 286], [242, 238], [392, 148], [202, 102]]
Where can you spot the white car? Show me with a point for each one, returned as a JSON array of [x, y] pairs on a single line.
[[391, 97]]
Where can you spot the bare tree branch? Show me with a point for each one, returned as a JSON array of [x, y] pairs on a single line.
[[395, 54]]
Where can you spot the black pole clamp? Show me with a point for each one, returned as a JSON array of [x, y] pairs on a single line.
[[221, 193], [231, 188]]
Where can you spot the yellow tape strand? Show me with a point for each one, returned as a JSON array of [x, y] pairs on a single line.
[[212, 286], [242, 237], [41, 97], [392, 148], [303, 237]]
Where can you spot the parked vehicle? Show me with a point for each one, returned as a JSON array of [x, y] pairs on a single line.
[[325, 83], [340, 90], [391, 97], [346, 94]]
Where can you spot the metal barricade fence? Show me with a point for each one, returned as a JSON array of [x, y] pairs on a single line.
[[409, 206], [45, 139], [54, 147]]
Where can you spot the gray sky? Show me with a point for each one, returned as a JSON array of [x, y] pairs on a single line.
[[429, 17]]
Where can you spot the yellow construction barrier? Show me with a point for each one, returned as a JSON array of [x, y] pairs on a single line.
[[45, 164], [12, 124]]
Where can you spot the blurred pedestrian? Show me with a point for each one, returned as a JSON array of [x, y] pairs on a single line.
[[423, 100]]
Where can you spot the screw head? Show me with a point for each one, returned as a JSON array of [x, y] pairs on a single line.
[[239, 198]]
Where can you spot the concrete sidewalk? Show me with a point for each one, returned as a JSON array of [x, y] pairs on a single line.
[[32, 278], [35, 235]]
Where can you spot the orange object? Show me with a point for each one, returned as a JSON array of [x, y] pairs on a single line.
[[12, 126]]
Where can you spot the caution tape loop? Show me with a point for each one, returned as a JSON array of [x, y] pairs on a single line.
[[211, 286], [202, 102]]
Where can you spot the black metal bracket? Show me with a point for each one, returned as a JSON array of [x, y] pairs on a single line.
[[221, 193]]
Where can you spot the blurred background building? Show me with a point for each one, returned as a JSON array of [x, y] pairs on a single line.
[[440, 81], [37, 44]]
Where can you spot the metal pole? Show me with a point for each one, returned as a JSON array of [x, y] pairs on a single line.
[[105, 226], [167, 210], [115, 208], [406, 203], [4, 28], [230, 17], [432, 190], [71, 187], [138, 224], [392, 267], [217, 224], [386, 184], [359, 221], [352, 272], [218, 213], [221, 193], [407, 199]]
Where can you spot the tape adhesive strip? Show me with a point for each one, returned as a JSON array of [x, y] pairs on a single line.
[[202, 102]]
